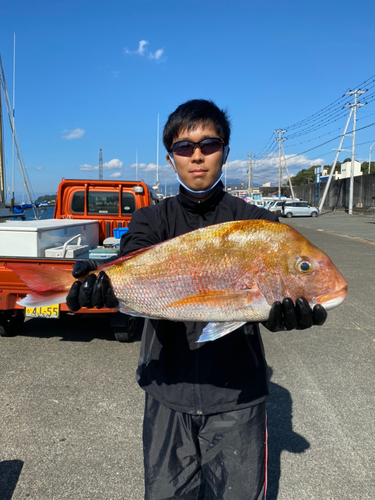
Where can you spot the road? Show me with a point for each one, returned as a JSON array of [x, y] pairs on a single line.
[[71, 411]]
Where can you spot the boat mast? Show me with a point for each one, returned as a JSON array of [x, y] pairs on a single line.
[[2, 168], [13, 117], [14, 133]]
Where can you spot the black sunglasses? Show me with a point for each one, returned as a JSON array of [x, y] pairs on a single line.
[[207, 147]]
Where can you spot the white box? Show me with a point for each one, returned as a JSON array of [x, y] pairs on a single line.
[[31, 238], [68, 252]]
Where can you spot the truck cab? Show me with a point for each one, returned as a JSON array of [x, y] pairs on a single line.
[[112, 203]]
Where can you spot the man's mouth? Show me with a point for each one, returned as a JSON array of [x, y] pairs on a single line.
[[198, 171]]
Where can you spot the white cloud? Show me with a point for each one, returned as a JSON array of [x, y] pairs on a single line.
[[142, 47], [39, 168], [114, 164], [267, 168], [115, 175], [77, 133], [157, 55], [87, 168], [143, 51]]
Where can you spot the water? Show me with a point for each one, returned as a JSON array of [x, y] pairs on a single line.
[[42, 214]]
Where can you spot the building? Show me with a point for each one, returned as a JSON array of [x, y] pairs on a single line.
[[345, 171]]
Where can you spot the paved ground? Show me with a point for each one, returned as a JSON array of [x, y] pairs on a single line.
[[71, 411]]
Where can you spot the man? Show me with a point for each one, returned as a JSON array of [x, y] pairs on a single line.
[[204, 431]]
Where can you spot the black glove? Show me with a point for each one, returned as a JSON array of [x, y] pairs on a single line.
[[95, 291], [287, 316]]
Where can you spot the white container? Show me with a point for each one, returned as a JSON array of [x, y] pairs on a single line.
[[31, 238], [69, 251]]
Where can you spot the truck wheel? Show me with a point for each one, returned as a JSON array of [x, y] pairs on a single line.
[[126, 333], [11, 325]]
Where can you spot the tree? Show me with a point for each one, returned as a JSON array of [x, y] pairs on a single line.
[[47, 197], [364, 167], [304, 176]]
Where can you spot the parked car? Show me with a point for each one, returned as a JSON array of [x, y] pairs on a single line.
[[258, 203], [299, 209], [277, 205]]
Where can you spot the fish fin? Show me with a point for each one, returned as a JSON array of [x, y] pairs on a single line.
[[39, 299], [48, 285], [120, 260], [218, 298], [131, 312], [216, 330]]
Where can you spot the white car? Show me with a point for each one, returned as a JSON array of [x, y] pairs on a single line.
[[299, 209], [277, 206]]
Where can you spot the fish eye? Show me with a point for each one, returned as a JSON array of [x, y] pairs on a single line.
[[304, 266]]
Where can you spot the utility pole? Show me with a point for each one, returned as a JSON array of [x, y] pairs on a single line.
[[334, 163], [100, 165], [156, 187], [280, 140], [287, 171], [353, 106], [250, 181]]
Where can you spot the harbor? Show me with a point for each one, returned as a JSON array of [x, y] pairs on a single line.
[[71, 419]]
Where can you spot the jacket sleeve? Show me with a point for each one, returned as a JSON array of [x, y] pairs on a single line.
[[144, 231]]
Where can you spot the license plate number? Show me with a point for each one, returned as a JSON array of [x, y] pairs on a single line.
[[43, 312]]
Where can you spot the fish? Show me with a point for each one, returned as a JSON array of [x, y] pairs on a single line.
[[224, 275]]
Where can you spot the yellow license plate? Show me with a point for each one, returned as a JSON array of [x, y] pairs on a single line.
[[43, 312]]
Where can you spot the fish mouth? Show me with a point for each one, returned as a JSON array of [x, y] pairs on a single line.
[[333, 299]]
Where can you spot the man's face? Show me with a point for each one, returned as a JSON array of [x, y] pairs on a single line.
[[198, 172]]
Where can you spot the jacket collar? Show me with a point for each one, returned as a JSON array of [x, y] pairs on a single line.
[[202, 206]]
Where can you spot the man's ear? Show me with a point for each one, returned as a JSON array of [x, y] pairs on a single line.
[[170, 161]]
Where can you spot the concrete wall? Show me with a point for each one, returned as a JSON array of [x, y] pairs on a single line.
[[338, 194]]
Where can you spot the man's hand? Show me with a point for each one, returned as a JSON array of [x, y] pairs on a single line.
[[287, 316], [95, 291]]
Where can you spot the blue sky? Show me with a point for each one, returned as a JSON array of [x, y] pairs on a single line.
[[96, 74]]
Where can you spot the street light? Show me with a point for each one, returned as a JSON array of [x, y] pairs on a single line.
[[369, 160]]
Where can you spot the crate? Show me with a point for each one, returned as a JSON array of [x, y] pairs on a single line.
[[103, 253], [119, 231]]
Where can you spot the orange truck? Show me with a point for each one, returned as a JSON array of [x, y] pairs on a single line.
[[89, 219]]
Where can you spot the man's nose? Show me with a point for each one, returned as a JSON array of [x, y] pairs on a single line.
[[197, 153]]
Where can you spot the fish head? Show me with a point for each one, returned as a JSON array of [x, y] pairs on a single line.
[[308, 272]]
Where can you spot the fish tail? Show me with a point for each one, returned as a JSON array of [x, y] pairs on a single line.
[[48, 285]]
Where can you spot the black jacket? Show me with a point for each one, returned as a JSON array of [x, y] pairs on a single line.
[[223, 375]]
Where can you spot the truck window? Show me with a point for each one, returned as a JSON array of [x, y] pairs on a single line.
[[102, 202], [127, 203], [78, 202]]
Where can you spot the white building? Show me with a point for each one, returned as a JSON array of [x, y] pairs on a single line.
[[345, 171]]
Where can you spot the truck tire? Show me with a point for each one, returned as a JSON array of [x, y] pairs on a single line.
[[126, 333], [11, 325]]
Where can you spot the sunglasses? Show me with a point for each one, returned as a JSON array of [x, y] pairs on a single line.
[[207, 147]]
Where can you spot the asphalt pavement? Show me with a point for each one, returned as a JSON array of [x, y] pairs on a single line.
[[71, 411]]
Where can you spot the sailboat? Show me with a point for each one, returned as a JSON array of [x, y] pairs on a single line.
[[11, 209]]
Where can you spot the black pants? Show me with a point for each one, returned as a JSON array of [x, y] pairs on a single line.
[[212, 457]]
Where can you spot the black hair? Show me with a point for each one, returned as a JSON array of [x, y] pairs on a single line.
[[193, 113]]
